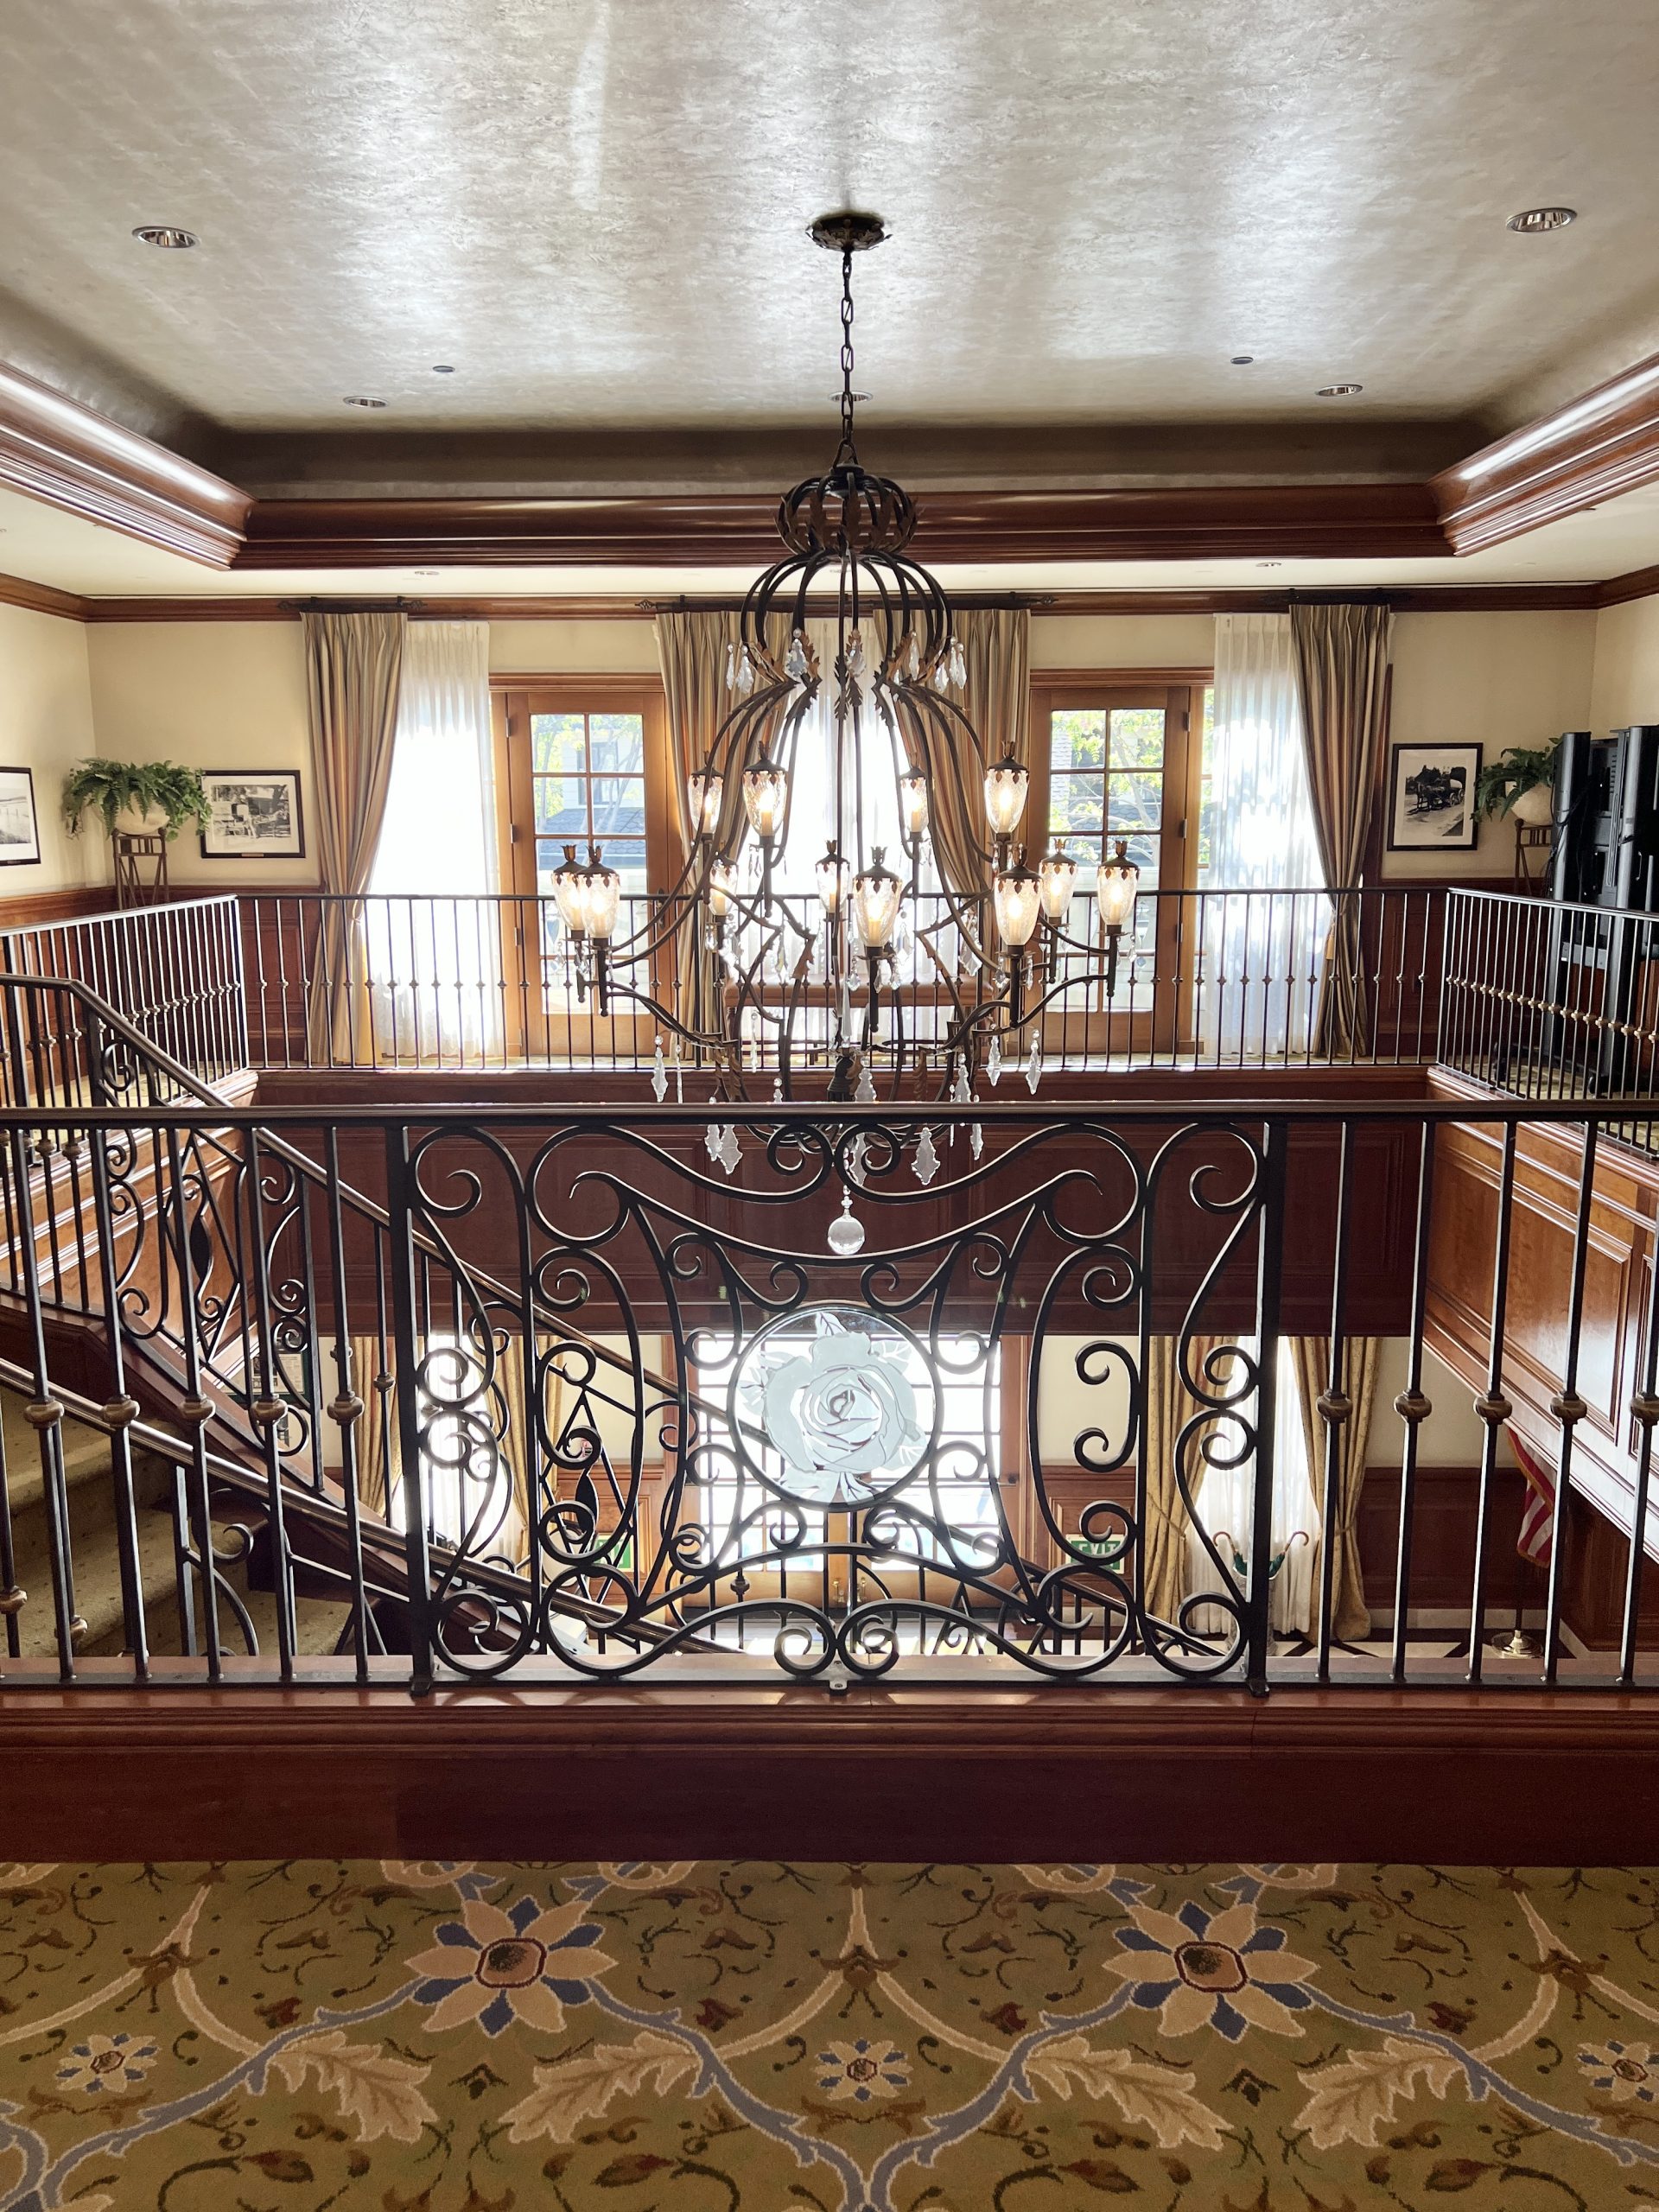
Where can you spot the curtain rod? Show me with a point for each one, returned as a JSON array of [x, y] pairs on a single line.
[[974, 601]]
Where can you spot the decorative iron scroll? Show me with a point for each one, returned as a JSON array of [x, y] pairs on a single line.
[[821, 1469]]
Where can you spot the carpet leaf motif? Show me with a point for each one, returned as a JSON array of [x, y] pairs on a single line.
[[382, 2094], [1355, 2096], [1158, 2097], [571, 2090]]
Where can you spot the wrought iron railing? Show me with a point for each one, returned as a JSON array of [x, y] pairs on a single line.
[[1220, 978], [583, 1396], [174, 971], [1544, 998]]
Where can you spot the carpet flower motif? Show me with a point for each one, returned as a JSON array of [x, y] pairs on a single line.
[[1626, 2072], [495, 1966], [1223, 1971], [104, 2063], [861, 2071]]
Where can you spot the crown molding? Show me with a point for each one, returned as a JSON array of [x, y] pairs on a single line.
[[1302, 521], [1598, 446], [45, 599], [55, 448], [1409, 598]]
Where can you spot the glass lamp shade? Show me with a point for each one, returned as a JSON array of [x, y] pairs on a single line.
[[832, 879], [1006, 784], [602, 889], [912, 802], [1115, 887], [1016, 894], [766, 793], [1058, 880], [876, 893], [722, 887], [704, 788], [570, 894]]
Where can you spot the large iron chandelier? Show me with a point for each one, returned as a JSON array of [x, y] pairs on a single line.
[[802, 995]]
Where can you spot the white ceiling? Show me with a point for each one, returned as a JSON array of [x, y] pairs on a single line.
[[50, 547], [594, 209]]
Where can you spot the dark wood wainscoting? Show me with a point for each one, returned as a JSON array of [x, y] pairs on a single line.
[[1548, 1180], [1021, 1774]]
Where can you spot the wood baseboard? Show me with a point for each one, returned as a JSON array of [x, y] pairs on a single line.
[[1017, 1774]]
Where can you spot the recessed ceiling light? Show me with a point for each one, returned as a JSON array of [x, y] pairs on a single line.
[[166, 234], [1269, 564], [1242, 361], [353, 402], [423, 572], [1532, 220], [443, 368], [1338, 390]]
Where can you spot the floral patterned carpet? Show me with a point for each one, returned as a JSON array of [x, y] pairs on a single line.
[[424, 2038]]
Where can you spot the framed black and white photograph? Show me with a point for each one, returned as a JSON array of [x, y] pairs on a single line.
[[254, 815], [20, 829], [1431, 797]]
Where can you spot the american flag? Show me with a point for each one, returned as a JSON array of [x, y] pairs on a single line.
[[1538, 1514]]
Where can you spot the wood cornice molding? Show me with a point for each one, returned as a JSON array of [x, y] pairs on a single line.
[[1306, 521], [44, 598], [1415, 598], [1598, 446], [58, 450]]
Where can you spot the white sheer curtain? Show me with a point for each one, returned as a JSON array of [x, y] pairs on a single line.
[[1259, 992], [435, 959], [1225, 1504]]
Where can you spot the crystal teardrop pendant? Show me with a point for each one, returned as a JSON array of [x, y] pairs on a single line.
[[658, 1074], [730, 1152], [745, 674], [926, 1162], [976, 1140], [958, 664], [993, 1063], [731, 665], [865, 1094], [913, 658], [795, 658], [1034, 1065], [847, 1230]]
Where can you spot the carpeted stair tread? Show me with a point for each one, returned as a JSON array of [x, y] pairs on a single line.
[[97, 1565]]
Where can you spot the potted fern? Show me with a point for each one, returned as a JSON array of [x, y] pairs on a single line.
[[1520, 782], [134, 795]]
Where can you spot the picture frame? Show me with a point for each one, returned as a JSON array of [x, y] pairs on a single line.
[[1431, 797], [254, 815], [20, 824]]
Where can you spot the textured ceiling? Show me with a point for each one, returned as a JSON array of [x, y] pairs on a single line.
[[594, 208]]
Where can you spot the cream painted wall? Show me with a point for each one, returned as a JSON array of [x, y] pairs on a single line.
[[212, 695], [1624, 686], [1495, 679], [1122, 641], [46, 723], [573, 648]]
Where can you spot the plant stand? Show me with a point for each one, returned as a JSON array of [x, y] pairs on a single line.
[[140, 867]]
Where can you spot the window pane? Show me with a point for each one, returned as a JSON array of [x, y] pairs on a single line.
[[1133, 803], [558, 744], [1206, 803], [617, 744], [1077, 739], [618, 806], [1137, 737], [560, 806], [1076, 807]]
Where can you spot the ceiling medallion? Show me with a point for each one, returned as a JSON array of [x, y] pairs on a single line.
[[790, 954]]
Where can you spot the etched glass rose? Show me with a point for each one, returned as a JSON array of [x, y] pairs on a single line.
[[841, 1414]]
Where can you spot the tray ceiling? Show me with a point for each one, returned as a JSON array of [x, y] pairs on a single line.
[[594, 211]]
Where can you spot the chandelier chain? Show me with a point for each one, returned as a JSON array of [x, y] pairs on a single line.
[[847, 398]]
